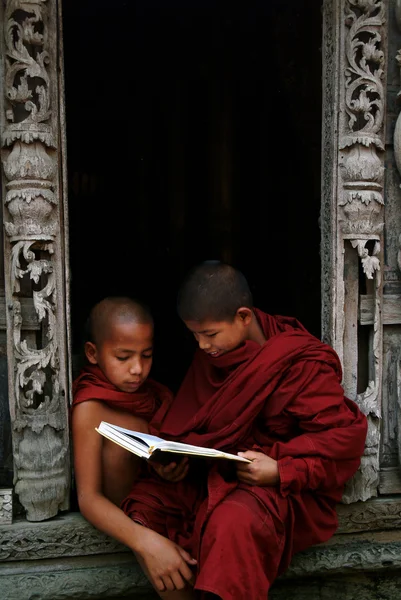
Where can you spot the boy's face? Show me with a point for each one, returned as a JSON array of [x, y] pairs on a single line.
[[218, 337], [124, 354]]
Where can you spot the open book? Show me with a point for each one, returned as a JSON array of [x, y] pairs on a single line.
[[152, 447]]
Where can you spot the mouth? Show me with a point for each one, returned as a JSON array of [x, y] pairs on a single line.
[[215, 353], [133, 384]]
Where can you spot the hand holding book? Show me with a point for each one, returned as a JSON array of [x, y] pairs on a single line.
[[174, 471]]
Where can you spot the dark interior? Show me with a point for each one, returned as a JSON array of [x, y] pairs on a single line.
[[193, 133]]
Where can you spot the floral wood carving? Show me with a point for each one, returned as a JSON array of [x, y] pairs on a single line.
[[33, 260], [360, 198], [362, 168], [364, 92]]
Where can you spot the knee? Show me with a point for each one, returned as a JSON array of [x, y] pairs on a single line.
[[231, 519]]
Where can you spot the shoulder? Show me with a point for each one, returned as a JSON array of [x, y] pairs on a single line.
[[90, 409]]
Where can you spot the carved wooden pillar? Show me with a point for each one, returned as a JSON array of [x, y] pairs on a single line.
[[397, 157], [34, 255], [353, 204]]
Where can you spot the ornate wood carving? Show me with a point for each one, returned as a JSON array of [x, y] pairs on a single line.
[[118, 575], [397, 156], [108, 576], [357, 205], [397, 128], [68, 536], [353, 555], [71, 535], [372, 515], [34, 261], [6, 506]]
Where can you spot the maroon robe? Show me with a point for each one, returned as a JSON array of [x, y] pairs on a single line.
[[282, 398], [92, 384]]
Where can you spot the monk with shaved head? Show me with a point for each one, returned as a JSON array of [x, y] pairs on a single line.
[[113, 387]]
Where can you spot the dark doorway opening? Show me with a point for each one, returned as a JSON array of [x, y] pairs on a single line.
[[193, 132]]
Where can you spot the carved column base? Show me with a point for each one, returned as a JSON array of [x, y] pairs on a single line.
[[41, 466]]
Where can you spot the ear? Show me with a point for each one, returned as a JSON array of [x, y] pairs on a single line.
[[244, 314], [91, 352]]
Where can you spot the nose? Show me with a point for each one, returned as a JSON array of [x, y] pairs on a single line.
[[136, 366], [204, 344]]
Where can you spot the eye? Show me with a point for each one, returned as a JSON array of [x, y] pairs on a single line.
[[148, 356], [122, 358], [211, 334]]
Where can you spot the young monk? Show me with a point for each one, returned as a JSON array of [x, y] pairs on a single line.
[[113, 387], [264, 387]]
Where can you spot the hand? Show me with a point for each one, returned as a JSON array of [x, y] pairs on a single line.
[[173, 472], [166, 563], [263, 470]]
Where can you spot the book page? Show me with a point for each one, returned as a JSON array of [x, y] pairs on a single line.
[[149, 440], [122, 441], [148, 444]]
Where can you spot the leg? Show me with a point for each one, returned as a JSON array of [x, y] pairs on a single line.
[[241, 549]]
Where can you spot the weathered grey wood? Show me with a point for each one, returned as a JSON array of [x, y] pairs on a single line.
[[28, 314], [108, 576], [353, 201], [398, 413], [371, 515], [70, 535], [390, 481], [65, 233], [351, 294], [119, 576], [391, 310], [34, 255], [66, 535], [390, 425], [6, 506]]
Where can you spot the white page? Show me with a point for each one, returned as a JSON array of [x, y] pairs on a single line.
[[117, 438], [150, 440], [154, 442], [118, 435]]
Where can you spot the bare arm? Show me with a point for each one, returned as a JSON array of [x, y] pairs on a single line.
[[94, 506], [166, 563]]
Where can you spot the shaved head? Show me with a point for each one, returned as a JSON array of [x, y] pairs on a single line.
[[115, 311], [213, 291]]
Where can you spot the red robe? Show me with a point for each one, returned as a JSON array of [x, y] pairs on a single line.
[[282, 398], [92, 384]]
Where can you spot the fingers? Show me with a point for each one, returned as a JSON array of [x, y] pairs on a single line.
[[168, 468], [174, 469], [158, 583], [176, 465], [178, 581], [187, 557], [250, 454], [186, 572], [178, 473], [167, 583], [158, 468]]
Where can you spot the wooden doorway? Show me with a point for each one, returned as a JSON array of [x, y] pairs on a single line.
[[194, 132]]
